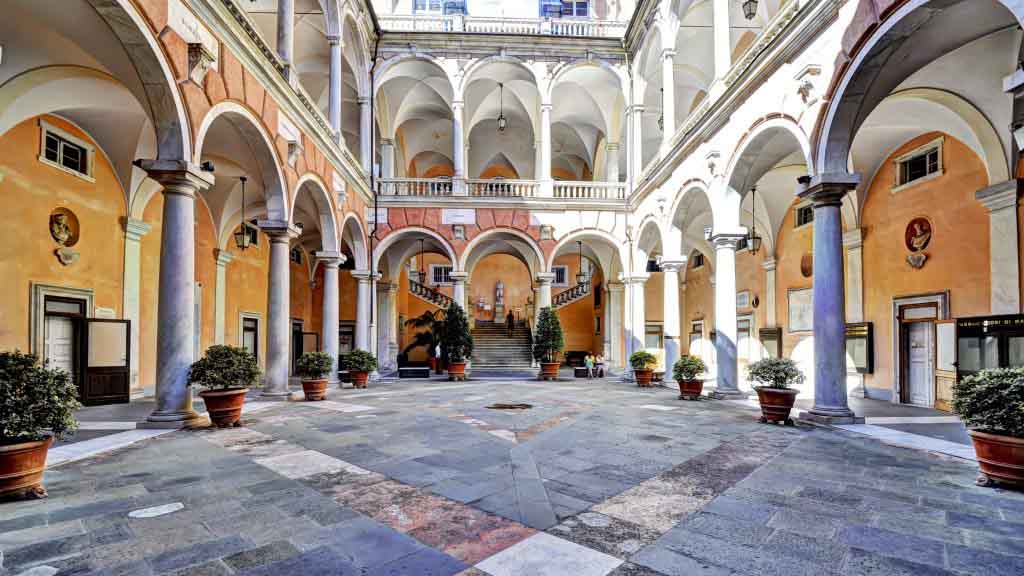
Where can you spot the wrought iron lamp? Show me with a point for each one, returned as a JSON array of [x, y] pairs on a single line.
[[422, 275], [502, 121], [753, 240], [242, 236], [749, 9], [581, 276], [661, 118]]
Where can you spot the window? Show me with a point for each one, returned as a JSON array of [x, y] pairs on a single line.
[[924, 162], [295, 255], [652, 336], [597, 325], [440, 274], [426, 6], [64, 151], [251, 335], [561, 276], [698, 260], [564, 8], [804, 215]]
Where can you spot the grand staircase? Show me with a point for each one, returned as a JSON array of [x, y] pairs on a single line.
[[494, 350]]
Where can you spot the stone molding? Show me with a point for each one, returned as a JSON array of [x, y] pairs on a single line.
[[998, 196], [223, 257], [134, 230]]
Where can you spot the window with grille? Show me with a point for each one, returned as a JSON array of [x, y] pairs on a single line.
[[804, 215], [296, 255], [561, 276], [564, 8], [64, 151], [440, 274], [919, 164], [427, 6], [698, 260]]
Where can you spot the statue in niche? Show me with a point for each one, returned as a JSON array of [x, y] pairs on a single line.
[[64, 231]]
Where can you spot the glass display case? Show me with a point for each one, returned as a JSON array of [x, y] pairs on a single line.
[[984, 342]]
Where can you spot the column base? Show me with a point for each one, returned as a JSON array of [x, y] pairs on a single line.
[[729, 395], [275, 395], [159, 420], [830, 417]]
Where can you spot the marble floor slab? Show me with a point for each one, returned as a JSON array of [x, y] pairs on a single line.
[[545, 555]]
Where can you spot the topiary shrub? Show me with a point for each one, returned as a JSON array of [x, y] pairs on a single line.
[[776, 373], [548, 341], [642, 360], [687, 368], [35, 401], [224, 368], [360, 361], [314, 365], [458, 340], [992, 401]]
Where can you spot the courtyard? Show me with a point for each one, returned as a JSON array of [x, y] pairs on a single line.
[[422, 478]]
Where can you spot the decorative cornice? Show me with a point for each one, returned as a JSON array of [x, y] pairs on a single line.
[[134, 229], [998, 196], [223, 257]]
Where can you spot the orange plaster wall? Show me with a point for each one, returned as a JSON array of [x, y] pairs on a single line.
[[30, 191], [513, 274], [410, 306], [301, 293], [793, 243], [498, 171], [577, 319], [958, 254]]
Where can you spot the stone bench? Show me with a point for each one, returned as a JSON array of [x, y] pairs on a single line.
[[579, 372], [414, 372]]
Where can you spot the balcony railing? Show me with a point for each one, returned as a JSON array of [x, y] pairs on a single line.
[[590, 190], [414, 187], [495, 25], [503, 188]]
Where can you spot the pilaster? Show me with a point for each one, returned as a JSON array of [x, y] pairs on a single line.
[[1004, 245]]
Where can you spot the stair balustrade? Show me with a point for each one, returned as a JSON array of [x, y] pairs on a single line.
[[427, 293], [577, 292]]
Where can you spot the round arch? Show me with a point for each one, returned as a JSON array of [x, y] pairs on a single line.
[[650, 239], [354, 237], [401, 234], [567, 68], [524, 246], [384, 71], [614, 263], [469, 76], [313, 185]]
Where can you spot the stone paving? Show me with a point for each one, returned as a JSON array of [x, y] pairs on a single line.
[[597, 478]]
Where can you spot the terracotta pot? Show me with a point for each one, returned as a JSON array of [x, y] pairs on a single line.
[[549, 370], [224, 406], [1001, 458], [359, 379], [433, 364], [644, 378], [690, 389], [457, 371], [21, 468], [315, 390], [776, 404]]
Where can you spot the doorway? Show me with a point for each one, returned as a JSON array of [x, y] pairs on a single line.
[[915, 320], [62, 334]]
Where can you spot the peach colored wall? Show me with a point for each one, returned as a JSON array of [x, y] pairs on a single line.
[[31, 190], [410, 306], [699, 300], [498, 171], [577, 319], [301, 293], [246, 291], [793, 243], [514, 275]]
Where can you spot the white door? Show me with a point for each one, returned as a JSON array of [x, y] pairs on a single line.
[[920, 358], [60, 343]]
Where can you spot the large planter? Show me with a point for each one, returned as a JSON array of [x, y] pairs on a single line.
[[433, 365], [549, 370], [690, 389], [315, 390], [224, 406], [359, 379], [21, 468], [1001, 458], [457, 371], [644, 378], [776, 404]]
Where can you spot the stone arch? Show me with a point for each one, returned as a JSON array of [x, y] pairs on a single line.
[[473, 69], [522, 245], [649, 240], [397, 236], [314, 185], [692, 212], [354, 237], [613, 265], [564, 69]]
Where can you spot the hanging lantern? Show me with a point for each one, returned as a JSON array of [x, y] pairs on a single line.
[[242, 236], [661, 118], [502, 121], [421, 274], [581, 277], [753, 240], [750, 9]]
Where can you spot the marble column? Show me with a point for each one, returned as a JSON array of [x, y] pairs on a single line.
[[387, 341], [635, 316], [613, 321], [636, 148], [134, 230], [362, 335], [769, 266], [335, 87], [387, 158], [1001, 202], [365, 124], [459, 288], [286, 32], [673, 333], [612, 162], [830, 402], [176, 307], [546, 184], [458, 139], [279, 340], [668, 97], [727, 383], [331, 307], [223, 258]]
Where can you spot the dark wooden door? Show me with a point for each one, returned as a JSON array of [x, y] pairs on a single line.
[[107, 353]]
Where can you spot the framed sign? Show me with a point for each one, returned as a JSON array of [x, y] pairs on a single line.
[[801, 310], [458, 216], [860, 346]]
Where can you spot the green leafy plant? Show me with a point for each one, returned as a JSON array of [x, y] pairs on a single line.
[[548, 341], [687, 368], [992, 401], [360, 361], [458, 341], [775, 373], [432, 336], [642, 360], [314, 365], [35, 401], [223, 368]]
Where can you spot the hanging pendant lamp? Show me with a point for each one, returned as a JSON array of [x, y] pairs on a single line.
[[242, 236]]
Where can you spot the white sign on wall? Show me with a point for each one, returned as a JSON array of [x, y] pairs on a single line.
[[381, 216], [458, 216], [801, 310]]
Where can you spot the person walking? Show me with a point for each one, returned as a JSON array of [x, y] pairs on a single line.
[[510, 323]]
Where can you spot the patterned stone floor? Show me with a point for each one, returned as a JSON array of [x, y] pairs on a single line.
[[597, 478]]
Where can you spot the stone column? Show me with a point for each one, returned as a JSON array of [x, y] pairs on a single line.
[[635, 316], [176, 309], [612, 161], [332, 307], [286, 32], [220, 296], [613, 321], [668, 97], [830, 403], [387, 343], [1001, 202], [387, 158], [769, 266], [727, 384], [334, 88], [673, 334], [134, 230], [546, 185], [459, 289], [636, 142], [458, 139], [362, 336], [365, 144], [275, 379]]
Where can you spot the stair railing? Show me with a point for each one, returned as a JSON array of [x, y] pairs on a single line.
[[571, 295], [429, 294]]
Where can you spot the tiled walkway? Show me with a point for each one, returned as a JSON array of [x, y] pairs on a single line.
[[597, 478]]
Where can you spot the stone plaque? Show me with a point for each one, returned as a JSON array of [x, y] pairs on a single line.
[[462, 216], [801, 310]]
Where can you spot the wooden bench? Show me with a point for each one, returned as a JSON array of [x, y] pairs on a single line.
[[414, 372]]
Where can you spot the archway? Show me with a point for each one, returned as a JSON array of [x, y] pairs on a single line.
[[505, 87]]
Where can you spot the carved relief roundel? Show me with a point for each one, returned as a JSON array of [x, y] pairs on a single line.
[[918, 234]]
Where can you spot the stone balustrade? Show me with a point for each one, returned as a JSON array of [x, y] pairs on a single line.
[[590, 190], [414, 187], [494, 25]]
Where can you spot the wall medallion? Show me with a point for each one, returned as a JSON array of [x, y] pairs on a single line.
[[65, 232], [917, 237], [807, 265]]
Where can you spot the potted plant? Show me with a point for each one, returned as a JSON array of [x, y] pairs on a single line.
[[37, 405], [359, 364], [314, 368], [548, 342], [991, 404], [458, 341], [225, 373], [776, 395], [430, 338], [685, 372], [643, 363]]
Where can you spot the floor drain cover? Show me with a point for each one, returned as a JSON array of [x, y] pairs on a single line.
[[501, 406]]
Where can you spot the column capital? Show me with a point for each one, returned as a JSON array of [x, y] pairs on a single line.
[[827, 189], [637, 278], [612, 147], [365, 275], [726, 241], [769, 264], [546, 107], [673, 266], [635, 108], [853, 239], [223, 257], [387, 287], [330, 259], [459, 277], [363, 100], [668, 53], [335, 39], [614, 287], [177, 176], [135, 229], [545, 278], [998, 196], [458, 104], [278, 230], [387, 142]]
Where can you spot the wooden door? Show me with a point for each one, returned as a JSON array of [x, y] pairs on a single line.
[[106, 351], [920, 370]]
